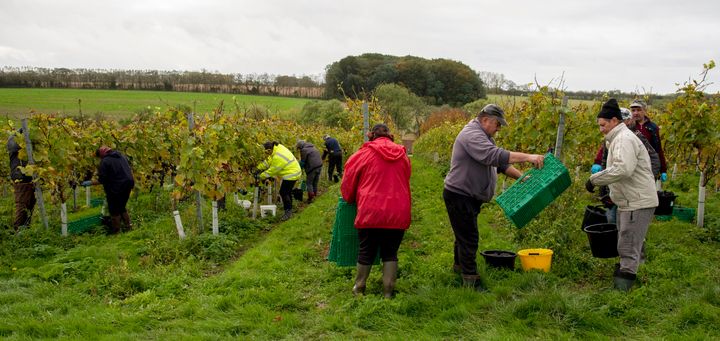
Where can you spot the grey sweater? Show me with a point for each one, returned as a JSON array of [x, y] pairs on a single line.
[[476, 160]]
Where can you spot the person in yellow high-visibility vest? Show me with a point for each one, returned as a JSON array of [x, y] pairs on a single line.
[[281, 163]]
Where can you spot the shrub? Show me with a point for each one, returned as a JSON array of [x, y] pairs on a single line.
[[443, 115]]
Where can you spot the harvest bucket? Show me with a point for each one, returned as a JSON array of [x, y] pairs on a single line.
[[603, 240], [665, 203], [500, 259], [594, 215], [536, 259], [297, 193]]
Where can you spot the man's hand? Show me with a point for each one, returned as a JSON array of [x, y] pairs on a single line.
[[595, 168], [537, 160], [589, 186], [663, 177]]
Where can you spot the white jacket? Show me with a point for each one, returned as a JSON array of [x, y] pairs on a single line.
[[628, 173]]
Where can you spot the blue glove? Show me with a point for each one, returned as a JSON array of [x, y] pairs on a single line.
[[663, 177], [595, 168], [86, 183]]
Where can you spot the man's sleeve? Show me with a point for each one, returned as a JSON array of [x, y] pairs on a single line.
[[484, 152], [624, 163]]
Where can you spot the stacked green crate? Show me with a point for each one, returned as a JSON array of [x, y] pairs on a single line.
[[684, 213], [344, 243], [95, 202], [84, 224], [540, 187], [84, 220], [663, 217]]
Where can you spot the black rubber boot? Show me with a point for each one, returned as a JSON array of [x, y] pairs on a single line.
[[457, 269], [126, 220], [473, 282], [115, 222], [363, 272], [623, 281], [389, 276]]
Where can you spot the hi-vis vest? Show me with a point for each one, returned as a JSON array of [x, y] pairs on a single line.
[[281, 163]]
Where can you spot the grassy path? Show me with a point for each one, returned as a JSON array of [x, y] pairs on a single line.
[[283, 288]]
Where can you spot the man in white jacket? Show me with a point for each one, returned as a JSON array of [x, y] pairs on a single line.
[[632, 188]]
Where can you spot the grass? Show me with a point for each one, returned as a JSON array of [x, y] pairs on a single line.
[[124, 103], [146, 284]]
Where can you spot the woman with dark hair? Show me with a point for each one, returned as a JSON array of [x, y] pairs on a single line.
[[377, 179], [115, 175], [282, 163]]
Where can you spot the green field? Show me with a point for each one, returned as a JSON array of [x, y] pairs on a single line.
[[122, 103], [505, 100], [261, 281]]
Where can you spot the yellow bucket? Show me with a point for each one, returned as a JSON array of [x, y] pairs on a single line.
[[535, 259]]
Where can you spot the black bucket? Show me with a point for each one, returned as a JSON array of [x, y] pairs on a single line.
[[603, 240], [666, 201], [297, 194], [500, 259], [594, 215]]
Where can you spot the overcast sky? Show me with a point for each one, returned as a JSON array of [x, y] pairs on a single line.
[[599, 45]]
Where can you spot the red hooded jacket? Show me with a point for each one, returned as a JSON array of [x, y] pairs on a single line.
[[377, 178]]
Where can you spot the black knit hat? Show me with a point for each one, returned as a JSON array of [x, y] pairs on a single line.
[[610, 109], [269, 145]]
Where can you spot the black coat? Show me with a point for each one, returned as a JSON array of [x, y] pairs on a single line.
[[114, 173]]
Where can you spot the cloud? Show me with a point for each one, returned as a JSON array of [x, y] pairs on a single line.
[[599, 45]]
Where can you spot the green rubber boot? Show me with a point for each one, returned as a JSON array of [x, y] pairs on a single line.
[[389, 276], [363, 272], [624, 281]]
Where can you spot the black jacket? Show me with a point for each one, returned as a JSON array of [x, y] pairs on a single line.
[[332, 147], [115, 174]]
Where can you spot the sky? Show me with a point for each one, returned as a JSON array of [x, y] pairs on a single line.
[[633, 46]]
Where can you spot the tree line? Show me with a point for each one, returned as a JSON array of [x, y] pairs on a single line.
[[497, 84], [193, 81]]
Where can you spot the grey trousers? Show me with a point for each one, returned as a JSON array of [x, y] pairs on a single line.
[[313, 177], [632, 228]]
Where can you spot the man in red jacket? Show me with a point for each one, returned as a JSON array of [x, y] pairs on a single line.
[[377, 179]]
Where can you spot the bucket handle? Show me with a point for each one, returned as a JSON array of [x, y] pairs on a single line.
[[534, 253]]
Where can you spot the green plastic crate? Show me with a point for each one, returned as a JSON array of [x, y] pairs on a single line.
[[525, 199], [84, 224], [95, 202], [684, 213], [344, 244]]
